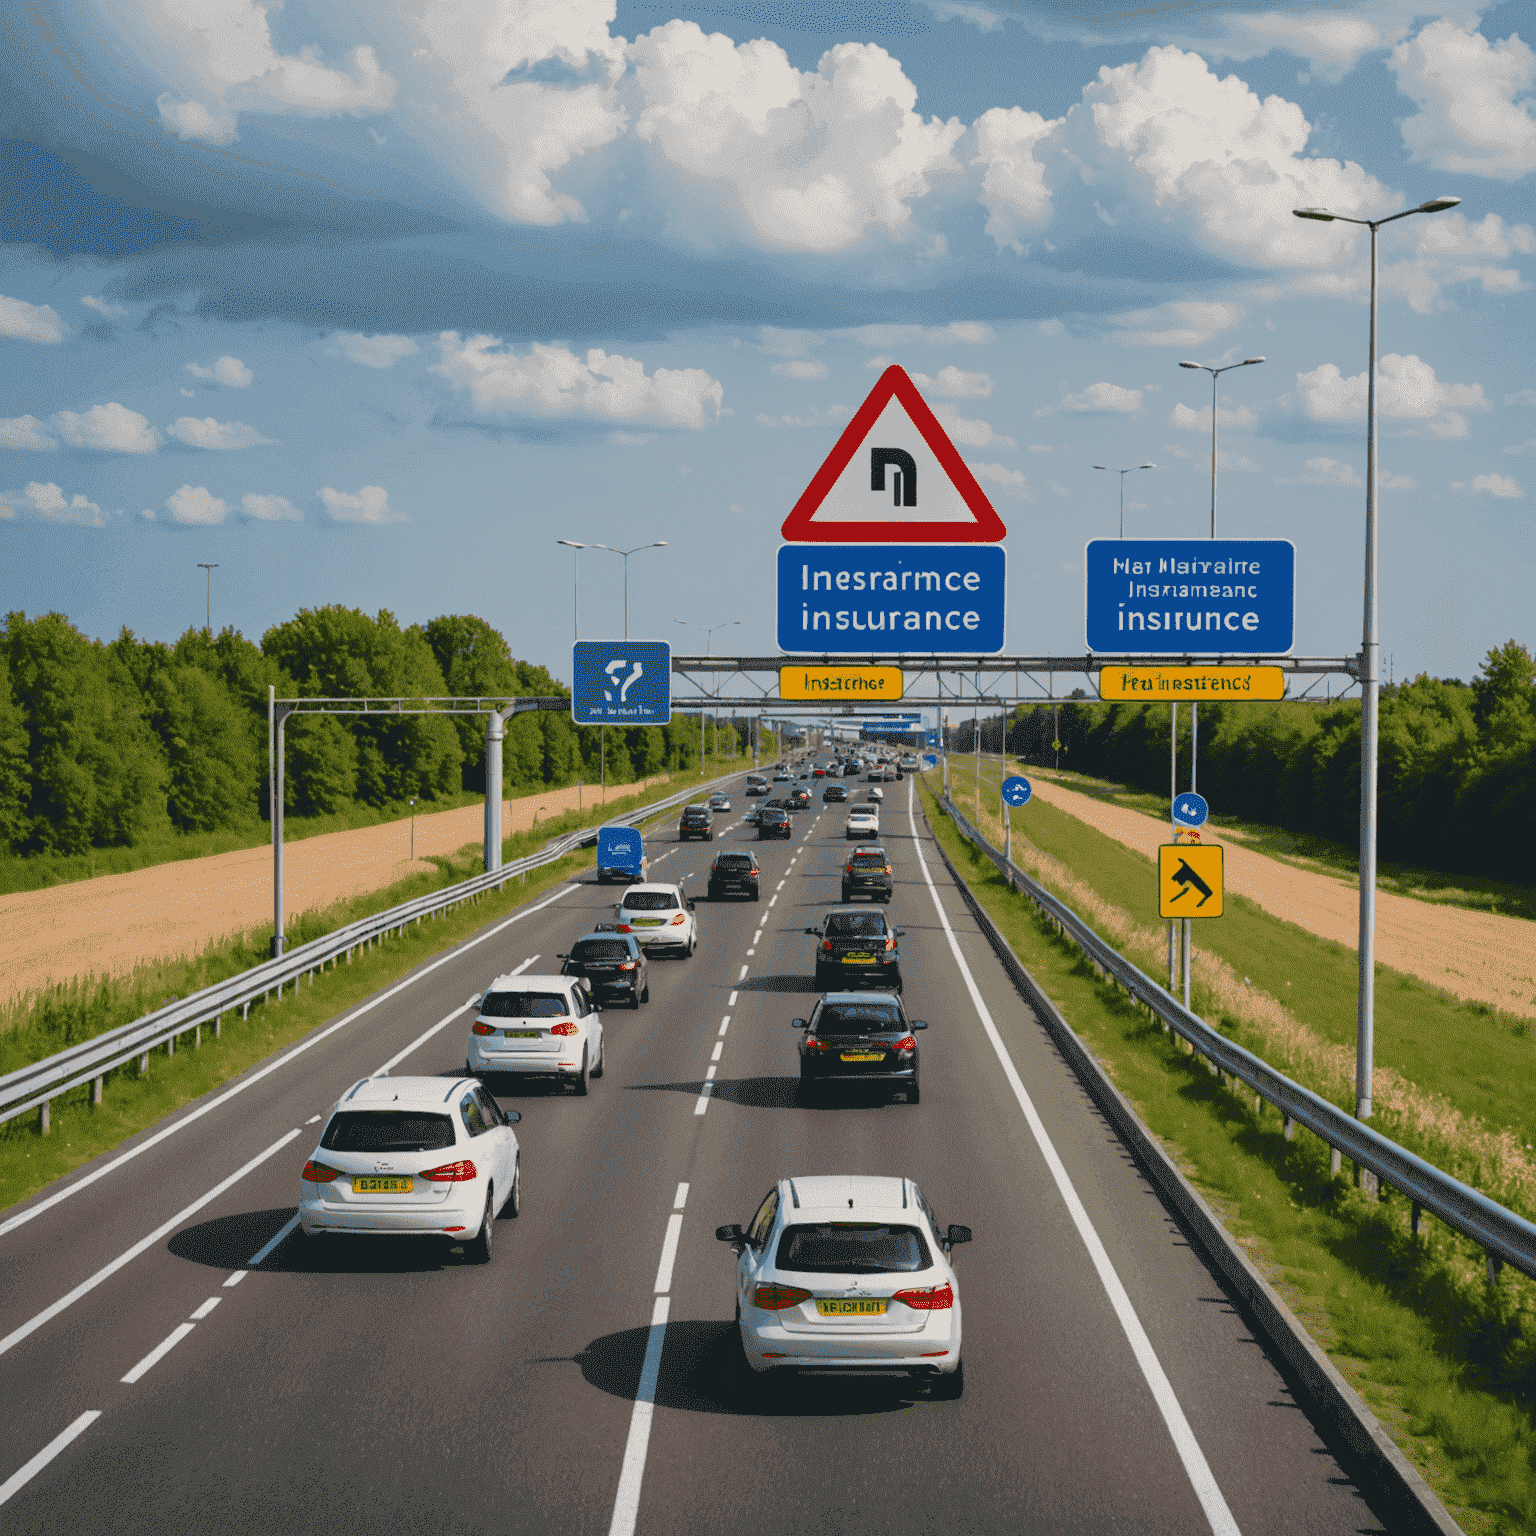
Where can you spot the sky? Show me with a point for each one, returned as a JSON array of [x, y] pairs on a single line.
[[372, 303]]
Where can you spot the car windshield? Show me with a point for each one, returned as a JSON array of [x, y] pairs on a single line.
[[650, 901], [868, 861], [524, 1005], [855, 924], [600, 949], [387, 1130], [843, 1247], [859, 1018]]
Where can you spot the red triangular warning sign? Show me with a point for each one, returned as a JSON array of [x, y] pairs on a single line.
[[894, 478]]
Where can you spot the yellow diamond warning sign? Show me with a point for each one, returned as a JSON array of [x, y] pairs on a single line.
[[1188, 880]]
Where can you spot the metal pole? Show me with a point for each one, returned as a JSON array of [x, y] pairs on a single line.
[[495, 734], [277, 842], [1215, 374], [1369, 686], [1173, 791], [1194, 736], [208, 610], [626, 597], [272, 818]]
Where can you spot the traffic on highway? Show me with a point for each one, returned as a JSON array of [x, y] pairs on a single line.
[[652, 1209]]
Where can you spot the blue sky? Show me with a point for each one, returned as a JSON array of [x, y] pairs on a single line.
[[372, 303]]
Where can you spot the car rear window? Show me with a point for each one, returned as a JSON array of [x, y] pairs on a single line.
[[868, 861], [734, 861], [857, 1019], [387, 1130], [524, 1005], [855, 924], [650, 901], [859, 1247], [600, 949]]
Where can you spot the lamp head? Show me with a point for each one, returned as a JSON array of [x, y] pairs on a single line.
[[1146, 466], [1438, 204], [1248, 360], [1189, 365], [1313, 213], [1101, 466], [570, 543]]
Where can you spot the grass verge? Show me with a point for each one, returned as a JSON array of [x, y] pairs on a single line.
[[1444, 1359]]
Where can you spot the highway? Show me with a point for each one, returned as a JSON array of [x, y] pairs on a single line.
[[165, 1368]]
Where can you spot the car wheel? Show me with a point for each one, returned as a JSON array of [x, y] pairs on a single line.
[[946, 1389], [513, 1207], [634, 1002], [602, 1052], [913, 1093], [645, 996], [478, 1249], [579, 1083]]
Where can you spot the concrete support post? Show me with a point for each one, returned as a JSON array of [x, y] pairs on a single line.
[[1418, 1214], [1290, 1129], [1335, 1162], [144, 1065], [96, 1087], [42, 1117], [218, 1026], [495, 734]]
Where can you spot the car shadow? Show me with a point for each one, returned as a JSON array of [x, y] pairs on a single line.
[[780, 1093], [780, 984], [230, 1242], [702, 1371]]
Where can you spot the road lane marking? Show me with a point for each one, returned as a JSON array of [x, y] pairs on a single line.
[[780, 886], [18, 1480], [108, 1270], [668, 1254], [719, 1047], [313, 1119], [245, 1082], [1195, 1465], [206, 1308], [680, 1199], [158, 1353], [709, 1075], [701, 1104], [725, 1023], [421, 1039], [773, 899], [743, 975], [730, 1002], [236, 1278], [273, 1242], [626, 1506], [756, 937]]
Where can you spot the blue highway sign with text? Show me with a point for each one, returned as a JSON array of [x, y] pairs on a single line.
[[621, 682]]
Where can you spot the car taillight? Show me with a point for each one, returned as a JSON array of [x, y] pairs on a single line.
[[629, 965], [774, 1298], [566, 1028], [477, 1028], [319, 1173], [890, 943], [451, 1173], [826, 943], [933, 1298], [906, 1043], [623, 928], [813, 1044], [680, 918], [887, 869]]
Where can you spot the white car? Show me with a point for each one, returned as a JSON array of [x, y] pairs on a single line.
[[877, 796], [660, 917], [719, 802], [537, 1026], [849, 1272], [414, 1156], [862, 825]]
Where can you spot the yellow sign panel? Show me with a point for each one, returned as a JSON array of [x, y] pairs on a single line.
[[1189, 880], [884, 684], [1159, 685]]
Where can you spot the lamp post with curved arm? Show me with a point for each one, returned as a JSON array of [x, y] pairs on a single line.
[[1215, 374], [659, 544], [1123, 473], [709, 635]]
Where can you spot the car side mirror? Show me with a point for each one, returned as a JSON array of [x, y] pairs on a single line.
[[798, 1023], [815, 933], [731, 1234], [597, 1007], [690, 903], [917, 1024], [511, 1116], [901, 933], [956, 1236], [562, 957]]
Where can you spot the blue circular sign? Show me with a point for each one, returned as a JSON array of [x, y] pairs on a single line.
[[1190, 810], [1016, 791]]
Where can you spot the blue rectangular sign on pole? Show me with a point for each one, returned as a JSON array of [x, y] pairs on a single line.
[[892, 599], [1190, 597], [621, 682]]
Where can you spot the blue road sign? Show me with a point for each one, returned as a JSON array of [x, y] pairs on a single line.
[[892, 599], [930, 759], [1016, 791], [1190, 810], [1190, 597], [620, 850], [621, 682], [933, 738]]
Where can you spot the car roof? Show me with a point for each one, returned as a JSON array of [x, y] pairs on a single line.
[[523, 982], [604, 933], [864, 908], [871, 848], [416, 1092], [831, 1196], [652, 885]]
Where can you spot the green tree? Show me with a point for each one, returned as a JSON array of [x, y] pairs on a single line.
[[320, 776], [214, 773], [15, 775], [476, 663]]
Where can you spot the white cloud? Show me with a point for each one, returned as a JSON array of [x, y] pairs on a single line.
[[25, 432], [111, 427], [800, 368], [209, 433], [553, 381], [1505, 487], [111, 311], [228, 370], [1528, 446], [1098, 397], [970, 333], [47, 501], [1465, 87], [971, 433], [21, 321], [1521, 397], [778, 341], [270, 509], [194, 504], [191, 120], [1323, 471], [815, 158], [1331, 44], [1011, 480], [1406, 390], [1013, 189], [955, 383], [1200, 421], [370, 351], [1189, 324], [370, 504]]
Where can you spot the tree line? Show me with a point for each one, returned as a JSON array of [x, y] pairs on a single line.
[[131, 741], [1457, 763]]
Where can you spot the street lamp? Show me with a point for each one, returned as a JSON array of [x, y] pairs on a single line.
[[1215, 373], [1123, 473], [573, 546], [709, 635], [659, 544], [1370, 682], [413, 829], [208, 613]]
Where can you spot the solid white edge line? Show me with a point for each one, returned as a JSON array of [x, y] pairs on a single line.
[[626, 1504], [277, 1237], [19, 1479], [108, 1270], [25, 1216], [668, 1254], [1196, 1467], [158, 1353]]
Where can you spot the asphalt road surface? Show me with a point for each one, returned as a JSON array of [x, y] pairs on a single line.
[[158, 1376]]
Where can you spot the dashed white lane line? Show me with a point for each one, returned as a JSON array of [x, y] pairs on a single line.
[[743, 975], [780, 886], [773, 899], [668, 1254], [725, 1024], [730, 1002], [680, 1199], [313, 1119], [719, 1047], [275, 1241], [206, 1308], [626, 1507], [1193, 1458], [235, 1279], [709, 1074], [421, 1039], [18, 1480], [158, 1353], [757, 937]]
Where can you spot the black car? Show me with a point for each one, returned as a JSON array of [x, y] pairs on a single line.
[[750, 815], [868, 873], [799, 799], [613, 965], [695, 822], [834, 792], [859, 1037], [757, 787], [773, 821], [733, 874], [857, 944]]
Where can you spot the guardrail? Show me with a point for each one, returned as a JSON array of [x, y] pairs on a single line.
[[32, 1087], [1505, 1236]]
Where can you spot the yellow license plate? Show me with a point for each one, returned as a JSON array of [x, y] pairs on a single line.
[[852, 1306], [646, 922], [857, 959], [380, 1185], [522, 1034], [863, 1055]]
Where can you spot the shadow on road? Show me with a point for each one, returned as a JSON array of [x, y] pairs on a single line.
[[781, 1093]]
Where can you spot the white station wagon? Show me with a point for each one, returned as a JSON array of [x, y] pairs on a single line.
[[659, 916], [537, 1026]]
